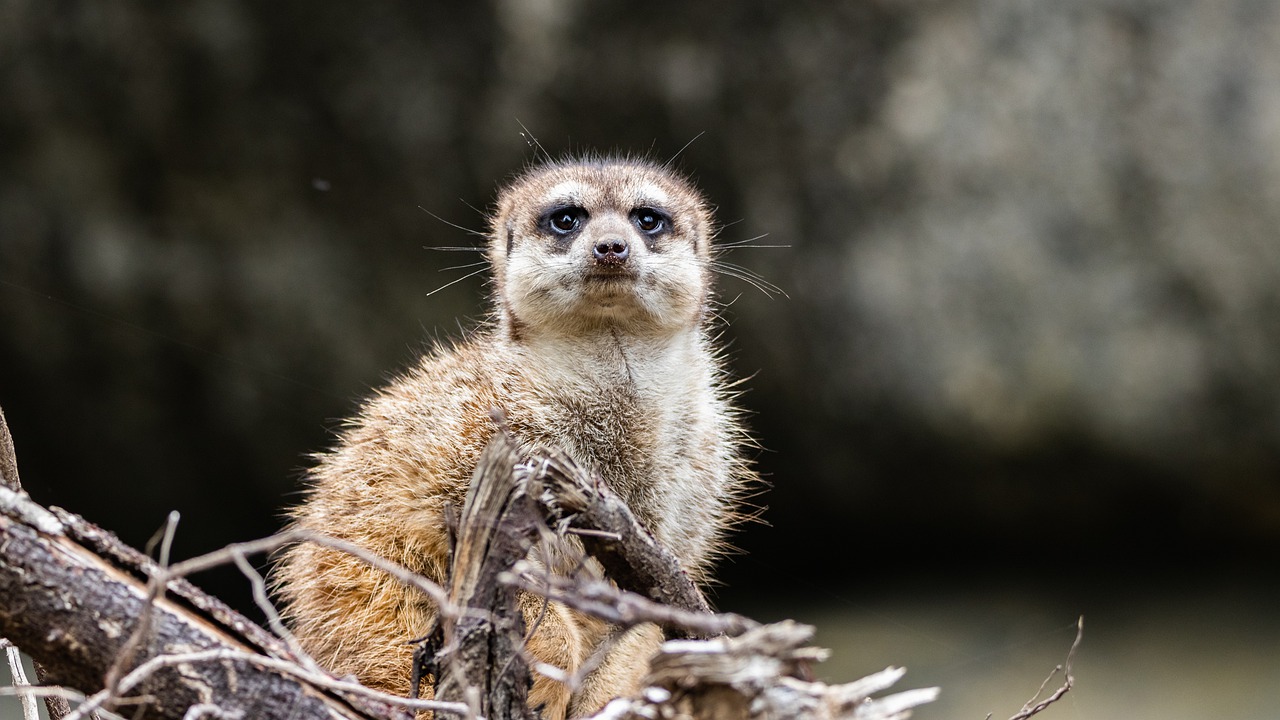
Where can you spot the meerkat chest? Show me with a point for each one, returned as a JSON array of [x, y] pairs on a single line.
[[631, 418]]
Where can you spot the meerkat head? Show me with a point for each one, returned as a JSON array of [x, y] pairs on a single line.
[[600, 244]]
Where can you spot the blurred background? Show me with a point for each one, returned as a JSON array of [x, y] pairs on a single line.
[[1027, 366]]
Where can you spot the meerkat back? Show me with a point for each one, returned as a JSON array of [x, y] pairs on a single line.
[[598, 344]]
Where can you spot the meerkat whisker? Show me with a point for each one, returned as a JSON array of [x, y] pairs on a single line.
[[749, 277], [453, 225], [692, 140], [455, 281], [765, 290], [531, 140], [482, 263], [739, 244]]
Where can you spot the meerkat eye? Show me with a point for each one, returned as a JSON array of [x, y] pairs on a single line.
[[565, 220], [650, 221]]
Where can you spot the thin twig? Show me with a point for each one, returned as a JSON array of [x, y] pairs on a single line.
[[1052, 674], [269, 610], [635, 561], [1032, 707], [227, 554], [54, 691], [155, 590], [284, 667], [593, 533], [602, 600], [57, 706], [19, 676], [307, 671]]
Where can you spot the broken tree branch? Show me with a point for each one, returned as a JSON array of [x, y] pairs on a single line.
[[57, 706], [754, 675], [19, 675], [155, 590], [8, 459], [607, 602], [74, 612], [481, 651], [630, 556], [74, 596], [93, 606], [757, 674]]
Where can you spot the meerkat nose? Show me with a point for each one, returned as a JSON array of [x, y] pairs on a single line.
[[611, 251]]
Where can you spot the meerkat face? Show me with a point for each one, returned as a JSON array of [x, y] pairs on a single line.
[[617, 244]]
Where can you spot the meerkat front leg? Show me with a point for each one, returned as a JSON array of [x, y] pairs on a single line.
[[556, 638]]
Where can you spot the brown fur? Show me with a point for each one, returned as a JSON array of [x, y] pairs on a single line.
[[614, 366]]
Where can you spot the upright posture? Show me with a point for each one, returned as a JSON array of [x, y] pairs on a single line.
[[597, 344]]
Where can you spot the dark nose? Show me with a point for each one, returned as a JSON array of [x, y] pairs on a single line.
[[611, 251]]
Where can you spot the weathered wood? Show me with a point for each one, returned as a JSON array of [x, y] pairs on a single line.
[[8, 459], [74, 612], [142, 568], [756, 676], [626, 609], [481, 649], [629, 554], [72, 595], [56, 706]]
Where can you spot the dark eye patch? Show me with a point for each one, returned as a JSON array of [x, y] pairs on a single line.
[[563, 221], [651, 221]]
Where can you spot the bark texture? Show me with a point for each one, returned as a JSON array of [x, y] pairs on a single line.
[[74, 597], [74, 611], [498, 525]]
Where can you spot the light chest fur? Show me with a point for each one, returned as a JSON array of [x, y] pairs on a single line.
[[644, 415]]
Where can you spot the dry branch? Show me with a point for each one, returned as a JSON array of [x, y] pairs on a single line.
[[19, 675], [74, 611], [57, 705], [754, 676], [481, 650], [8, 458], [75, 598], [1036, 705], [630, 556], [619, 607]]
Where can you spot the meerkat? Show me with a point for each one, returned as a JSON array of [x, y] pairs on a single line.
[[598, 342]]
